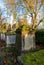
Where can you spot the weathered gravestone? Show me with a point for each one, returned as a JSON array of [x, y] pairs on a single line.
[[28, 42], [10, 39]]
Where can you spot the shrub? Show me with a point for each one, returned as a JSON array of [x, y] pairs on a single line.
[[39, 36]]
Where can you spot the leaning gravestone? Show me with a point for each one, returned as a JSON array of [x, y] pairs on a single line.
[[10, 39]]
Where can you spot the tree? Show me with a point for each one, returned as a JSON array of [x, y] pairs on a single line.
[[33, 6], [2, 24]]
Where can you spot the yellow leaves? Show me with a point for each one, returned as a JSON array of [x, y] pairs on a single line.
[[42, 2], [25, 21], [25, 30], [31, 1], [24, 33], [14, 15], [3, 27], [32, 4], [10, 1], [17, 25], [36, 5], [26, 1], [22, 21], [29, 4]]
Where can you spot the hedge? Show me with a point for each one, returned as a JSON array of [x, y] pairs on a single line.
[[39, 36]]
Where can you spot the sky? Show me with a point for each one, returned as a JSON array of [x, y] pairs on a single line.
[[1, 4], [20, 10], [4, 11]]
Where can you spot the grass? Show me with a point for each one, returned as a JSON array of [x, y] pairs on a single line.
[[34, 58]]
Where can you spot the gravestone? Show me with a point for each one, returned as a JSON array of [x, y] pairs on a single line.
[[2, 36], [24, 43], [10, 39], [28, 42]]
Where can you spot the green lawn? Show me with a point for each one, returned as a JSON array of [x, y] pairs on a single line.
[[34, 58]]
